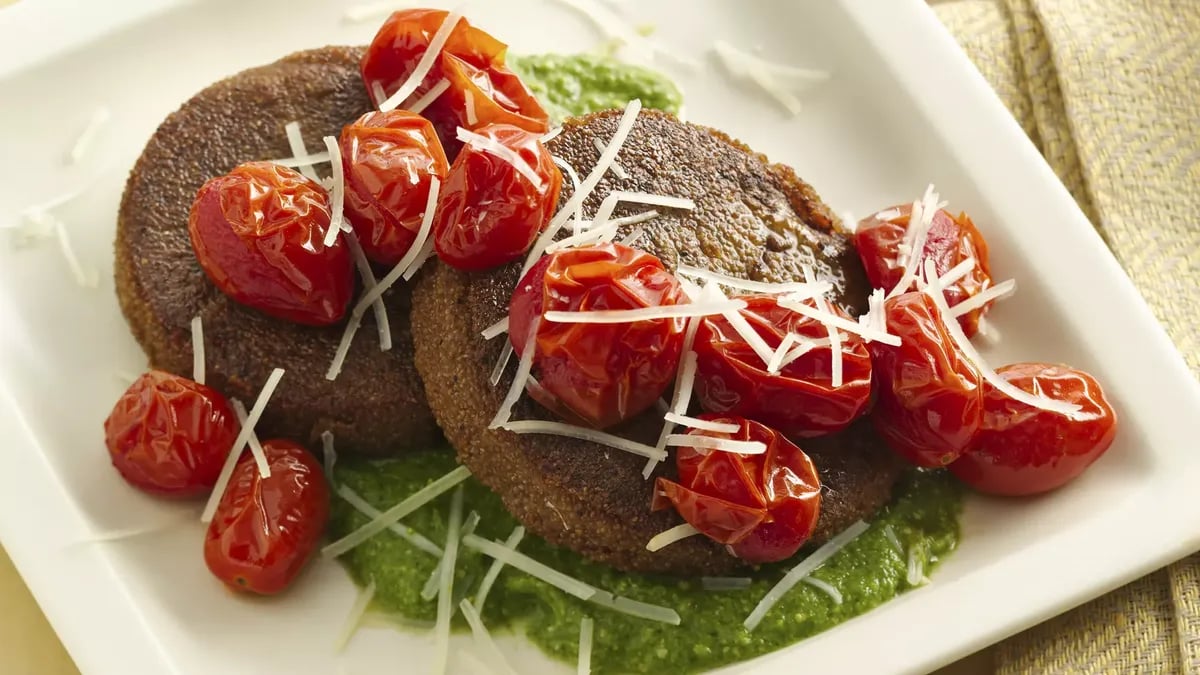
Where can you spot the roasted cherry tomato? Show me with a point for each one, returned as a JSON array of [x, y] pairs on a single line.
[[800, 399], [604, 373], [258, 232], [169, 435], [951, 240], [389, 159], [489, 212], [1022, 450], [763, 506], [929, 401], [266, 529], [471, 61]]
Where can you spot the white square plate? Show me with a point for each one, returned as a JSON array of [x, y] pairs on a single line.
[[905, 107]]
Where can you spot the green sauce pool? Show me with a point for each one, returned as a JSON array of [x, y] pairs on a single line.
[[922, 521]]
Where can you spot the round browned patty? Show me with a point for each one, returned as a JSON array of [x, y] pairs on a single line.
[[377, 404], [752, 220]]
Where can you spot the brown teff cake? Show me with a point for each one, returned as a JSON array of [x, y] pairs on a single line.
[[377, 404], [752, 220]]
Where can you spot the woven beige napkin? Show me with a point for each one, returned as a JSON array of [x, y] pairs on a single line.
[[1109, 91]]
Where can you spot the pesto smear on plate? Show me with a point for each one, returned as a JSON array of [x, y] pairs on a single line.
[[918, 528]]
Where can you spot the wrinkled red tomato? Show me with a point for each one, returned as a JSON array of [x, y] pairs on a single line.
[[800, 399], [266, 529], [929, 400], [488, 212], [1022, 450], [389, 159], [258, 232], [472, 61], [604, 373], [763, 506], [951, 240], [169, 435]]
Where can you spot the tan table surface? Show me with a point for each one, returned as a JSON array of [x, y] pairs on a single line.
[[28, 645]]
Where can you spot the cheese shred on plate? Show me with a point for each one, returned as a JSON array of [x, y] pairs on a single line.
[[484, 638], [445, 605], [801, 570], [256, 449], [998, 292], [646, 313], [781, 82], [697, 423], [786, 287], [495, 330], [504, 414], [432, 95], [512, 558], [826, 588], [337, 196], [239, 442], [369, 282], [506, 353], [328, 452], [503, 152], [933, 289], [572, 175], [394, 514], [432, 52], [433, 583], [584, 664], [96, 123], [617, 169], [197, 350], [584, 434], [835, 338], [956, 273], [493, 572], [668, 537], [681, 398], [713, 443], [831, 319], [418, 540], [642, 610], [912, 247], [296, 142], [354, 617]]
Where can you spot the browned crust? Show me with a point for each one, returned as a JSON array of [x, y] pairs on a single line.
[[590, 498], [377, 405]]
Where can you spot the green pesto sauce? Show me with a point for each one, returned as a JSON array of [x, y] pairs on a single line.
[[868, 572], [576, 84]]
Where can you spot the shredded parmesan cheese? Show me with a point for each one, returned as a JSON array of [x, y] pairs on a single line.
[[445, 606], [780, 82], [697, 423], [956, 273], [645, 313], [584, 665], [418, 540], [624, 126], [432, 95], [781, 351], [551, 135], [337, 196], [912, 249], [493, 572], [613, 198], [634, 235], [302, 160], [427, 252], [835, 338], [506, 353], [887, 214], [805, 347], [501, 151], [583, 434], [495, 330], [714, 443], [934, 290], [1001, 290], [841, 323], [432, 52], [915, 573], [197, 350], [532, 567], [668, 537], [329, 453], [617, 169], [642, 610], [354, 617], [725, 583], [96, 123], [751, 336], [296, 141], [432, 584], [469, 104], [681, 398], [256, 449], [368, 278], [825, 587], [394, 514], [573, 176], [518, 384], [889, 533], [484, 639], [801, 570], [622, 33], [240, 441]]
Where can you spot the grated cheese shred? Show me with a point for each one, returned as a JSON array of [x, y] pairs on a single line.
[[714, 443], [432, 95], [484, 639], [337, 196], [685, 311], [617, 170], [239, 442], [524, 366], [835, 338], [586, 628], [445, 606], [668, 537], [912, 249], [197, 350], [493, 572], [354, 617], [500, 151], [495, 330], [296, 141], [368, 278], [1000, 291], [432, 52], [532, 567], [418, 540], [780, 82], [83, 143], [584, 434], [697, 423], [825, 587], [256, 449]]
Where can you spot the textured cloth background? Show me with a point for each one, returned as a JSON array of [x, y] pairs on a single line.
[[1109, 91]]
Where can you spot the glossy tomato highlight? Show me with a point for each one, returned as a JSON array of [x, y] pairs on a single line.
[[266, 529], [951, 240], [603, 373], [929, 397], [259, 233], [1022, 450], [389, 160], [800, 399], [169, 436], [489, 213], [763, 506]]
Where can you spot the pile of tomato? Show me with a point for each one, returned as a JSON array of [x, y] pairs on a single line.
[[260, 234]]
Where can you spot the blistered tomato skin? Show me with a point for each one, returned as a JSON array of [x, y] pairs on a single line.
[[259, 233], [603, 373], [929, 397], [498, 96], [1022, 450], [800, 400], [169, 436], [763, 506], [950, 240], [389, 160], [266, 529], [488, 212]]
